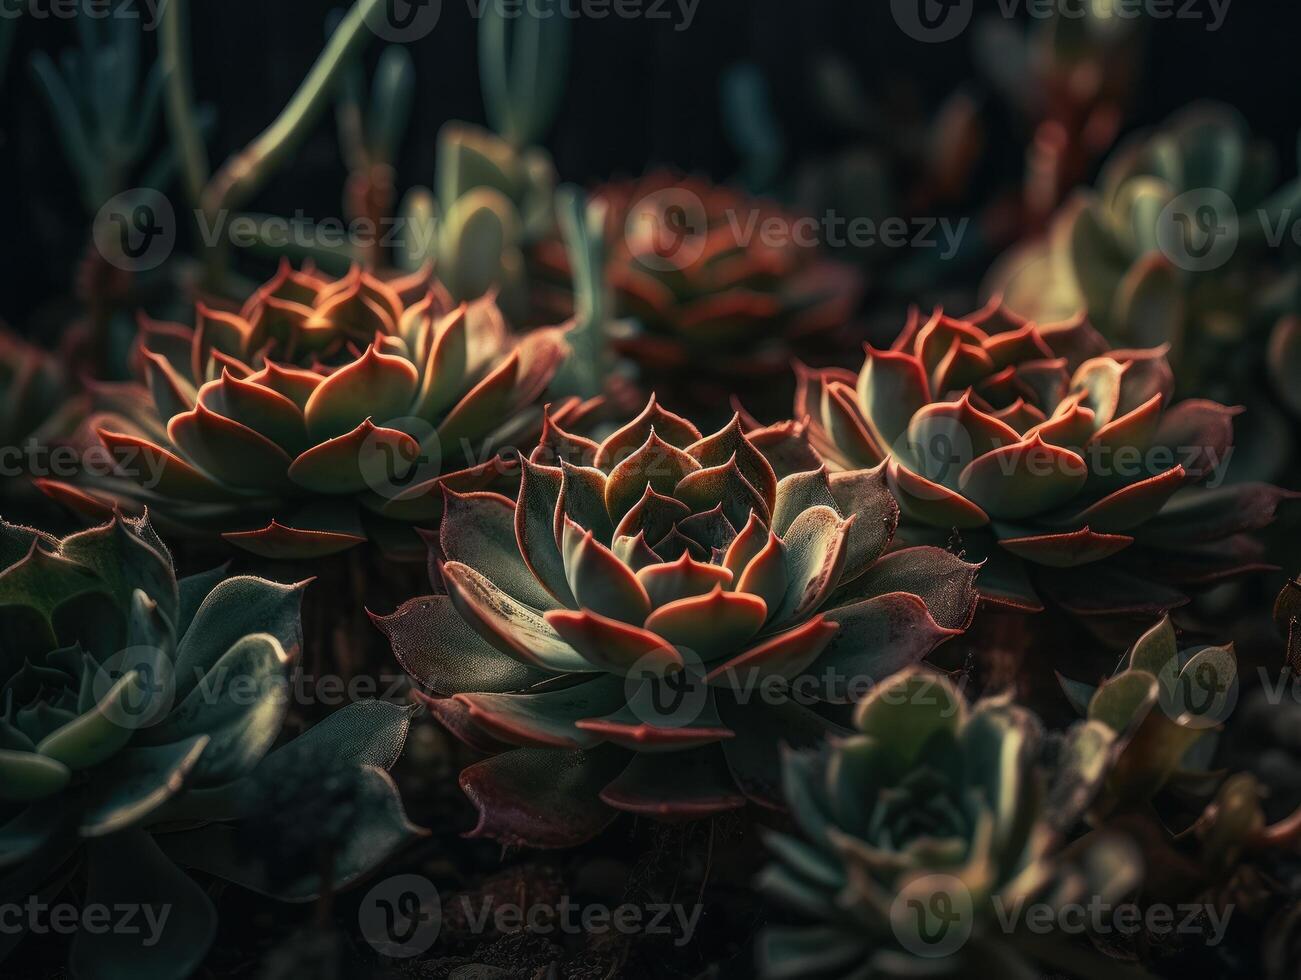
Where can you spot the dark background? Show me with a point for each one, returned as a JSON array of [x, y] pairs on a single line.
[[639, 93]]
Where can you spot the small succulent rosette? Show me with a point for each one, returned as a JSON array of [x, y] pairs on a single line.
[[325, 414], [927, 837], [494, 202], [640, 629], [1171, 247], [1059, 462], [1165, 709], [139, 715], [720, 284]]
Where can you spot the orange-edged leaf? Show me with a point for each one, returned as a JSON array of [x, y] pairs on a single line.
[[931, 504], [279, 542], [612, 646], [375, 386], [711, 625], [1021, 480], [368, 456], [1082, 547], [233, 453]]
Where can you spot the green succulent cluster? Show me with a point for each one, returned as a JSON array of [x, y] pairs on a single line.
[[925, 832], [1171, 247], [141, 718], [494, 201]]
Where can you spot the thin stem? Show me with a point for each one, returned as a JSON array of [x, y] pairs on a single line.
[[243, 174], [182, 118]]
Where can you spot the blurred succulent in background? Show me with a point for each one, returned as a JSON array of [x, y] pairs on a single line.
[[134, 705], [1173, 247], [1070, 79], [721, 287], [627, 634], [1166, 708], [105, 105], [105, 113], [923, 831], [1059, 462], [898, 163], [370, 139], [36, 405], [335, 410], [494, 189]]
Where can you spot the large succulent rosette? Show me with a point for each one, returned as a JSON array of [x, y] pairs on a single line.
[[717, 283], [1060, 463], [325, 413], [138, 716], [654, 614], [924, 835]]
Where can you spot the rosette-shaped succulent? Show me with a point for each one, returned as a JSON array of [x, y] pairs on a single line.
[[138, 714], [1173, 247], [721, 285], [925, 835], [323, 414], [493, 204], [1059, 462], [1164, 707], [654, 614]]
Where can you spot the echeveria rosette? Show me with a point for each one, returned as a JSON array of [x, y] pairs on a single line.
[[1059, 462], [932, 808], [710, 564], [711, 291], [290, 427], [1112, 250], [132, 704], [1165, 708]]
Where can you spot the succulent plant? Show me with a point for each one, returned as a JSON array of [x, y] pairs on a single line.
[[1058, 461], [33, 390], [713, 291], [922, 833], [1164, 707], [1070, 79], [334, 410], [494, 202], [133, 705], [495, 189], [648, 620], [1171, 248]]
